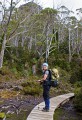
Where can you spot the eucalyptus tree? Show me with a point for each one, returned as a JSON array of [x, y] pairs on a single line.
[[4, 26], [68, 32], [65, 12], [25, 13], [74, 33], [78, 38], [9, 24], [41, 28], [50, 16]]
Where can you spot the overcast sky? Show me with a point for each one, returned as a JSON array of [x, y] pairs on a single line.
[[71, 4]]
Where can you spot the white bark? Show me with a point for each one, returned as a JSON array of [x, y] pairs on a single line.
[[69, 46], [2, 51]]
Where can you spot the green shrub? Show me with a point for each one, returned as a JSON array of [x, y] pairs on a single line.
[[31, 88], [2, 115], [78, 99], [14, 70], [59, 61], [78, 84], [76, 75], [64, 75], [5, 71]]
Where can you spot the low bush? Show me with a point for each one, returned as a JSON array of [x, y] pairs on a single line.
[[78, 84], [31, 88], [78, 99], [76, 75], [5, 71]]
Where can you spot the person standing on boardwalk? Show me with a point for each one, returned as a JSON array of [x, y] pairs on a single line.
[[46, 86]]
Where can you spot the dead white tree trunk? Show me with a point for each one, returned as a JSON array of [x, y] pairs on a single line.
[[69, 46], [2, 51]]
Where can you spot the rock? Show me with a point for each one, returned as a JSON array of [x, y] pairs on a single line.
[[1, 87], [5, 85], [10, 112], [17, 88], [5, 107]]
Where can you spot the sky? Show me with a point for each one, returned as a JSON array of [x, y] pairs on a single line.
[[70, 4]]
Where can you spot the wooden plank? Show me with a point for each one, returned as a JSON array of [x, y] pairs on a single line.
[[38, 114]]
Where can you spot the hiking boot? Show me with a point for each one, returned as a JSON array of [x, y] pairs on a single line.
[[45, 110]]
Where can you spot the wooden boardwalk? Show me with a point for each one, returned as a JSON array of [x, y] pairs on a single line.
[[55, 102]]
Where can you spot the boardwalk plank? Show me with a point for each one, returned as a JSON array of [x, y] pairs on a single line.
[[37, 114]]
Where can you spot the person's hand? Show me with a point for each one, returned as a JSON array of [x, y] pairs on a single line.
[[39, 80]]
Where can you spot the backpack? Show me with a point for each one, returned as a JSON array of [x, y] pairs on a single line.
[[53, 83]]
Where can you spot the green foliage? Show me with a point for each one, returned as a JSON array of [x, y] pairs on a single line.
[[2, 115], [49, 11], [31, 91], [31, 88], [78, 98], [5, 71], [34, 60], [20, 61], [76, 75], [78, 84], [64, 47], [13, 24], [57, 59], [57, 113]]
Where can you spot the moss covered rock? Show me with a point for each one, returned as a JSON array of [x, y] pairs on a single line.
[[2, 115]]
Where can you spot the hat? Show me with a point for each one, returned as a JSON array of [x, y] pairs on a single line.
[[45, 64]]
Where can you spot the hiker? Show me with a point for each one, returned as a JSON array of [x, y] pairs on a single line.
[[46, 87]]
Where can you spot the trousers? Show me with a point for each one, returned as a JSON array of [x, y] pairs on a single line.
[[46, 97]]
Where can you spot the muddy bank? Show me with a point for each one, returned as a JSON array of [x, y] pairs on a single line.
[[18, 107], [13, 103]]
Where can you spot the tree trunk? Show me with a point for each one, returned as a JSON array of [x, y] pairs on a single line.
[[78, 52], [69, 47], [2, 51], [47, 49]]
